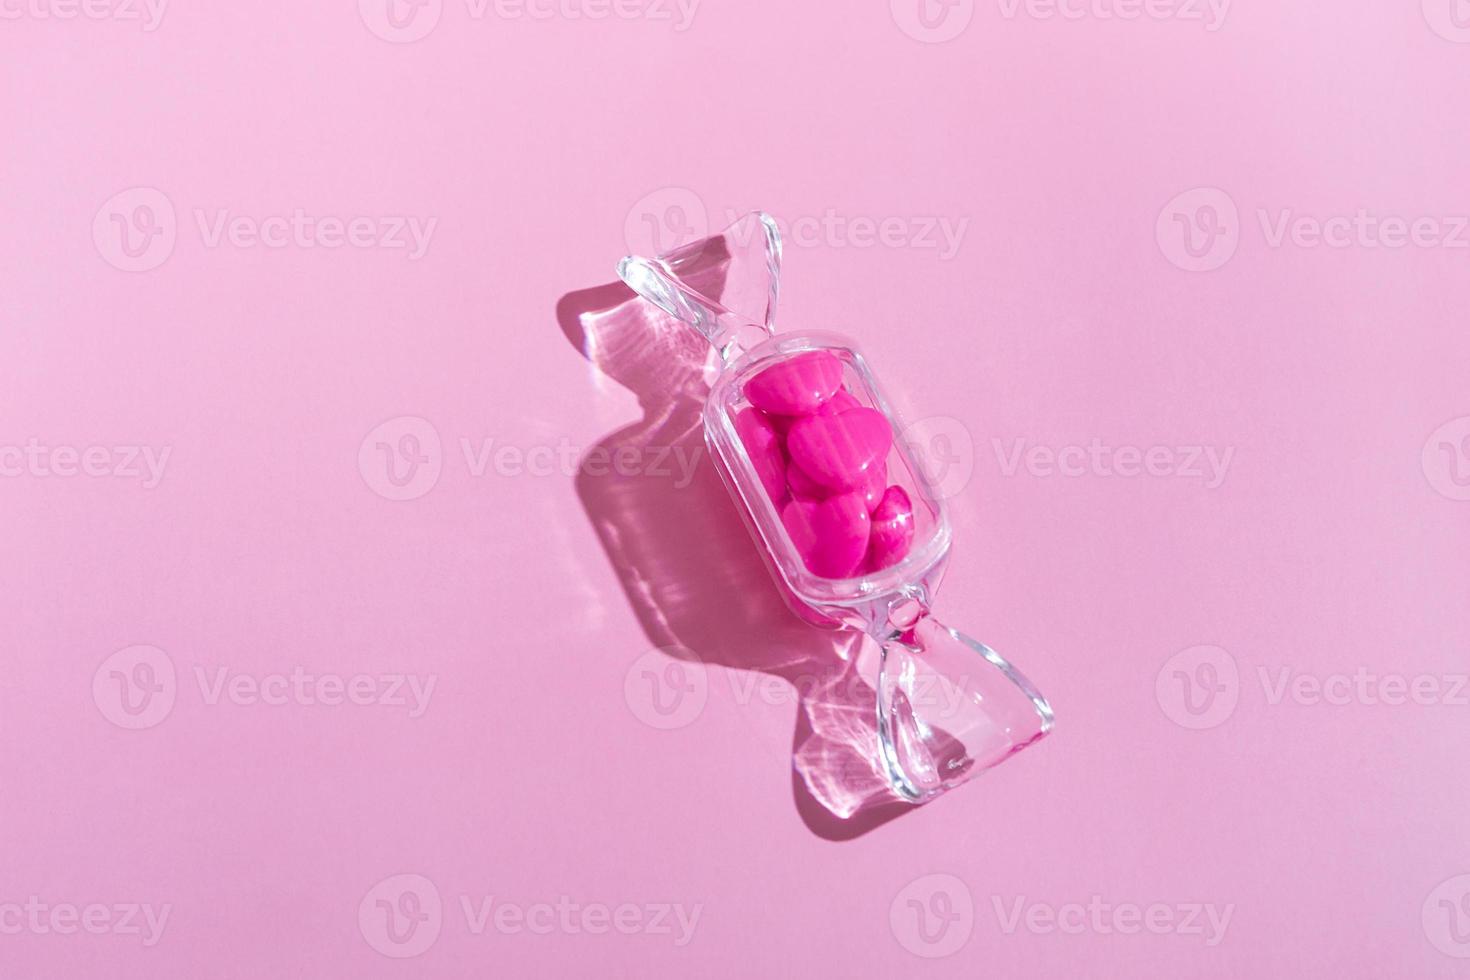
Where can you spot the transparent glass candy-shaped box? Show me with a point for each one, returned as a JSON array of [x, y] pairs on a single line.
[[843, 511]]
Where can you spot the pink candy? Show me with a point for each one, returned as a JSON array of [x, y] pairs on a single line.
[[839, 402], [764, 447], [821, 456], [831, 534], [893, 530], [836, 451], [797, 386], [871, 488]]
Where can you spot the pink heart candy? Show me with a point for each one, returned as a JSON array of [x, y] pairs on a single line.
[[837, 451], [893, 530], [872, 487], [764, 447], [831, 535], [804, 486], [782, 423], [796, 386], [840, 402]]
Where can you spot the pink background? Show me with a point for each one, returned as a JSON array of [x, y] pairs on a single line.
[[1336, 543]]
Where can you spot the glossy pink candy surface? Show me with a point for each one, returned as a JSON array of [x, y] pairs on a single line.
[[872, 487], [892, 530], [821, 456], [764, 446], [797, 386], [831, 534], [841, 401], [838, 450]]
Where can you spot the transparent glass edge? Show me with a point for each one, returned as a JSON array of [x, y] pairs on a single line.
[[897, 777]]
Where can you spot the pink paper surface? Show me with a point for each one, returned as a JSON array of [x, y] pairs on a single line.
[[321, 659]]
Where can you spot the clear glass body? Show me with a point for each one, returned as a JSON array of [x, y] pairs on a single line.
[[948, 707], [863, 599]]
